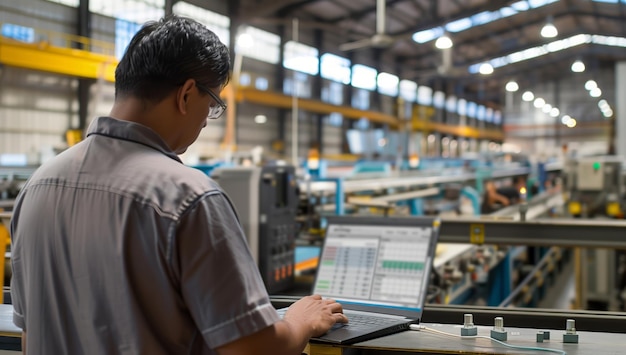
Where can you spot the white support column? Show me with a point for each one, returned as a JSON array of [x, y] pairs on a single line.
[[620, 109]]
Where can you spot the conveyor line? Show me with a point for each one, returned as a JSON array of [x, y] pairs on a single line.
[[330, 187]]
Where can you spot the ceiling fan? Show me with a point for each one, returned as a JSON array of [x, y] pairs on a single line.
[[379, 40], [444, 70]]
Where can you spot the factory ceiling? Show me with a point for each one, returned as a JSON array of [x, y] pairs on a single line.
[[504, 33]]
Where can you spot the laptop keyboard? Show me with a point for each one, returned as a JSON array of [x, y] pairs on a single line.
[[358, 320]]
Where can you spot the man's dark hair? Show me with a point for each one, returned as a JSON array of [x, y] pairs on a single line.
[[165, 53]]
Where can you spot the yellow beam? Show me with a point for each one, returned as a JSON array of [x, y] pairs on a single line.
[[422, 121], [44, 57], [81, 63], [283, 101], [461, 131]]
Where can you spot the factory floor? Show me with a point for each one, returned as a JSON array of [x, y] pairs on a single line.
[[562, 292]]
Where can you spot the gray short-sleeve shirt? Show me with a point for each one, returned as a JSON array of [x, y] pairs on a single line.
[[118, 248]]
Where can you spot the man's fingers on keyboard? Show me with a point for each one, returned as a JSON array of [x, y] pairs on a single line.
[[336, 307], [341, 318]]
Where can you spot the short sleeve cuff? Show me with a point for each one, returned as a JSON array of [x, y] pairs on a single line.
[[18, 320], [246, 324]]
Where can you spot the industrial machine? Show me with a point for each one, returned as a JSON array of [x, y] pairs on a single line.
[[12, 178], [266, 200], [595, 186]]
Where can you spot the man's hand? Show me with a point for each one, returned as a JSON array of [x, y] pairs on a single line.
[[316, 313], [308, 317]]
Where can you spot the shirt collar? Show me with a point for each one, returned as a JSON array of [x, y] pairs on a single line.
[[130, 131]]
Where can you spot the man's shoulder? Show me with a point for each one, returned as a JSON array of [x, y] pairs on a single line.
[[148, 177]]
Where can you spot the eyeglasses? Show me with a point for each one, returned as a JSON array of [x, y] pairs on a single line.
[[215, 111]]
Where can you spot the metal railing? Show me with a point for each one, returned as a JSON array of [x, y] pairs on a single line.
[[45, 38]]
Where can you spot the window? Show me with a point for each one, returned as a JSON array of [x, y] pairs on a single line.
[[471, 109], [361, 99], [461, 107], [245, 79], [497, 117], [424, 95], [124, 32], [263, 46], [387, 84], [261, 83], [217, 23], [335, 68], [355, 141], [408, 90], [302, 82], [408, 110], [334, 119], [451, 104], [300, 57], [333, 93], [364, 77], [20, 33], [362, 124], [489, 115], [439, 99], [481, 112], [137, 11]]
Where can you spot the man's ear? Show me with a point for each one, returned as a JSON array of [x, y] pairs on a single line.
[[183, 95]]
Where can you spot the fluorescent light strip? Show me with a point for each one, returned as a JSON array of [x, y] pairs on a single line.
[[551, 47], [479, 19]]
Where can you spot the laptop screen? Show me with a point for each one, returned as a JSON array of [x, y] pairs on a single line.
[[377, 261]]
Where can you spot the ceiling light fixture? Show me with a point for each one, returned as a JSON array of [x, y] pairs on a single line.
[[539, 102], [512, 86], [591, 84], [528, 96], [486, 69], [260, 119], [578, 66], [546, 108], [555, 112], [595, 92], [444, 41], [565, 119], [549, 30], [571, 123]]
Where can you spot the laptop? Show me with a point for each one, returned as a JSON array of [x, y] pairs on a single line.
[[378, 268]]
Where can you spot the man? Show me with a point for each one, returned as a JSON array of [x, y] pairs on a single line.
[[493, 198], [118, 248]]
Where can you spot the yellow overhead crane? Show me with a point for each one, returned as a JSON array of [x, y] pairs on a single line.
[[55, 54], [44, 56]]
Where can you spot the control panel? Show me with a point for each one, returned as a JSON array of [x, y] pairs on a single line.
[[266, 202], [590, 175]]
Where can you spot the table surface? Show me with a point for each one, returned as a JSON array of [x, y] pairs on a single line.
[[595, 343], [7, 328]]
